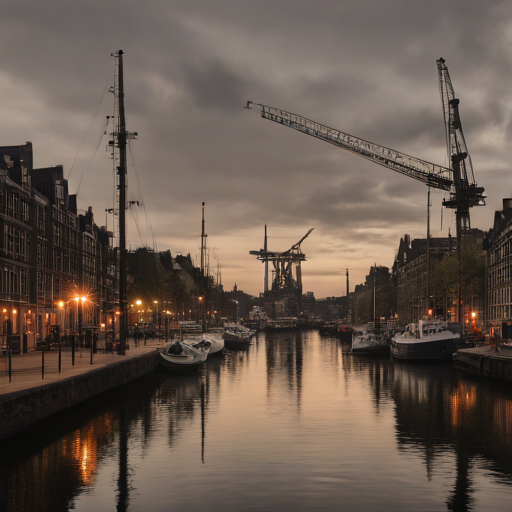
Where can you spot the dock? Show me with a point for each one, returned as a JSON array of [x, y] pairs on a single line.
[[33, 394], [488, 361]]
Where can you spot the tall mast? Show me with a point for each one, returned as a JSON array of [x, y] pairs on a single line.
[[265, 248], [428, 253], [203, 245], [120, 136]]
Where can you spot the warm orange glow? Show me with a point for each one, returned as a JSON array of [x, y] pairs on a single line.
[[14, 312], [61, 304]]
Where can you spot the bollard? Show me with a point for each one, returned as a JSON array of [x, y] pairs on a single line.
[[42, 361], [60, 356], [10, 367], [73, 350]]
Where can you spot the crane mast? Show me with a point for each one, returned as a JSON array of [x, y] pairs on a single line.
[[467, 194]]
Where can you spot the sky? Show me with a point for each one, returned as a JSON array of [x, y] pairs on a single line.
[[367, 68]]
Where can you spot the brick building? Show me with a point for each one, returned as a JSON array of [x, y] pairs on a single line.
[[47, 257]]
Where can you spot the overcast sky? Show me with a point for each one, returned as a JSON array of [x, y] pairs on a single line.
[[364, 67]]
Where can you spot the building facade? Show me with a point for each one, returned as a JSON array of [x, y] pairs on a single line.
[[48, 258], [498, 245]]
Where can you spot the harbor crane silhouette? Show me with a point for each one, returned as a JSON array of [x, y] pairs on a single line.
[[458, 180], [283, 280]]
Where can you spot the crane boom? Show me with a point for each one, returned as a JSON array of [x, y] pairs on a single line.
[[431, 174]]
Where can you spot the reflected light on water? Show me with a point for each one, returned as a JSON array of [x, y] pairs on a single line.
[[295, 422]]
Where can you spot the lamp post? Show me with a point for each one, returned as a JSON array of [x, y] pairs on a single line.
[[73, 339], [201, 308], [61, 309], [155, 302], [236, 302]]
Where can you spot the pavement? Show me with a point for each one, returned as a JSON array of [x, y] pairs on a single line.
[[27, 369]]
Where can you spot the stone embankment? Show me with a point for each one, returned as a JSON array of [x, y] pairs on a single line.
[[28, 404]]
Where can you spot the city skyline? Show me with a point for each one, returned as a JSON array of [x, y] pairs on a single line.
[[367, 69]]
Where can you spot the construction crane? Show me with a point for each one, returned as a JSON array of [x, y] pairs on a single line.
[[283, 262], [464, 193], [458, 180], [467, 194]]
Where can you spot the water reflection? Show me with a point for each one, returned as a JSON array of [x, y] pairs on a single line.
[[284, 360], [445, 417], [439, 410]]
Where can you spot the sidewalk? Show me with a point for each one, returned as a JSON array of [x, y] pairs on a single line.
[[26, 369]]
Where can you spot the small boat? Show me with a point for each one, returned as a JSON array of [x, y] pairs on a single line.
[[237, 336], [426, 340], [191, 334], [216, 343], [370, 341], [180, 356]]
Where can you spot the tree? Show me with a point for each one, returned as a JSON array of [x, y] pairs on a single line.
[[445, 278]]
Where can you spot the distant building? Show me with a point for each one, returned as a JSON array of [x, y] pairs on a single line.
[[409, 274]]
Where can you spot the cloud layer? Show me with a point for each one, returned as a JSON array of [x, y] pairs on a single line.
[[367, 68]]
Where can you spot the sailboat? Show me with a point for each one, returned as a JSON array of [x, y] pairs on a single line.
[[236, 335], [370, 339]]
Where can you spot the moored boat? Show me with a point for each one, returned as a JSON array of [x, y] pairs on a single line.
[[370, 341], [282, 323], [237, 336], [427, 340], [179, 356], [191, 334]]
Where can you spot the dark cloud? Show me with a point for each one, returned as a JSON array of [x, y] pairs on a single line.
[[367, 68]]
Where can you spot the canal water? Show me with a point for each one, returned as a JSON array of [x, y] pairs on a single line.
[[295, 422]]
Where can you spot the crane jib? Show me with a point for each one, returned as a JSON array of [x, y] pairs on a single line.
[[426, 172]]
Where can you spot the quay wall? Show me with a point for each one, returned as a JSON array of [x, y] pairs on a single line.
[[486, 362], [21, 410]]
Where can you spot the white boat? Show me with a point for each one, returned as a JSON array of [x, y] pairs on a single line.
[[215, 342], [369, 341], [426, 340], [191, 334], [179, 356]]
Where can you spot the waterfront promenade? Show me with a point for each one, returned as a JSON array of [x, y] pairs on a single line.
[[26, 369], [32, 396]]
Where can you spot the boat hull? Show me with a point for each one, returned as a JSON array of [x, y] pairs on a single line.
[[376, 350], [435, 350], [189, 359], [234, 341]]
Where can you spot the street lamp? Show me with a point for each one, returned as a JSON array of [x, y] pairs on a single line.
[[201, 314], [236, 302], [155, 302]]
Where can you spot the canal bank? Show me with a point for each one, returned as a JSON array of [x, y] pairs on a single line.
[[487, 361], [29, 398]]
